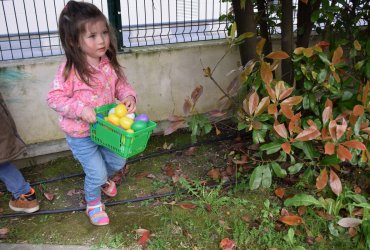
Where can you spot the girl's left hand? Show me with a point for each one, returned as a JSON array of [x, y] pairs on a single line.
[[130, 103]]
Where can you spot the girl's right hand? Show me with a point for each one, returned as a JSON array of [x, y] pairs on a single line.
[[88, 114]]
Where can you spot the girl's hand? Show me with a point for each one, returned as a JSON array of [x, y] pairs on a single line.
[[130, 103], [88, 115]]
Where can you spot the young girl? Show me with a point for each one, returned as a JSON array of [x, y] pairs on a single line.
[[90, 76]]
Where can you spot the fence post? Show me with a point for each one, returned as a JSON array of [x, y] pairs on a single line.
[[114, 15]]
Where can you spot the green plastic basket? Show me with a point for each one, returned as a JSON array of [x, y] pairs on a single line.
[[122, 143]]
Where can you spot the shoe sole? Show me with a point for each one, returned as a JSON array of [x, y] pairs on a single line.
[[26, 210]]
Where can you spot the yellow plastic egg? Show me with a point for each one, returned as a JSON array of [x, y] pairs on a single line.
[[130, 130], [114, 119], [120, 110], [126, 122]]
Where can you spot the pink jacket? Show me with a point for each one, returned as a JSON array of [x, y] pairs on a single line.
[[69, 97]]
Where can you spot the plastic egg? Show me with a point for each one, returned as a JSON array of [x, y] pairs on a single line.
[[126, 122], [129, 130], [112, 118], [138, 125], [131, 115], [100, 116], [142, 117], [120, 110], [111, 111]]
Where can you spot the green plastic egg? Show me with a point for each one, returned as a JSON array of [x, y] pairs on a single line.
[[138, 125]]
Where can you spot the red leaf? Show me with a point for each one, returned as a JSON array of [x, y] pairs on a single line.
[[278, 55], [187, 106], [327, 114], [302, 210], [329, 148], [279, 192], [337, 55], [308, 134], [197, 92], [354, 144], [322, 180], [281, 130], [188, 205], [173, 127], [227, 244], [344, 153], [287, 111], [335, 183], [266, 73], [175, 118], [358, 110], [286, 147], [294, 100], [253, 102], [292, 220]]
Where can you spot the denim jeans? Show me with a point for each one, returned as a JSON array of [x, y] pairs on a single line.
[[97, 162], [13, 179]]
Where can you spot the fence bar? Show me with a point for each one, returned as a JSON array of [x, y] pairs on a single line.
[[114, 15]]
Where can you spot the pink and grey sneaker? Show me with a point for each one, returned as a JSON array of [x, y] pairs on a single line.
[[109, 188]]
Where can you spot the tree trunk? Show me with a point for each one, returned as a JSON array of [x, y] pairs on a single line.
[[264, 28], [244, 18], [287, 40], [304, 23]]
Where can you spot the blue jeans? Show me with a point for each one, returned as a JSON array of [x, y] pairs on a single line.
[[97, 162], [13, 179]]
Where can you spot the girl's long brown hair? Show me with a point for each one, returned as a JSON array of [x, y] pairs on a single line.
[[72, 24]]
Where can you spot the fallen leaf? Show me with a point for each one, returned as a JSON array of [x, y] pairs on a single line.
[[357, 190], [349, 222], [208, 207], [335, 183], [190, 151], [246, 218], [352, 232], [1, 210], [141, 175], [151, 176], [188, 205], [214, 173], [49, 196], [163, 190], [292, 220], [145, 235], [279, 192], [324, 215], [4, 232], [168, 169], [284, 212], [322, 180], [302, 210], [227, 244]]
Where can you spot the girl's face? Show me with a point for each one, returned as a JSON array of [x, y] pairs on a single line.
[[95, 41]]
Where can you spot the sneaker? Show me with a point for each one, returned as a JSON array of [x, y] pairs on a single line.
[[25, 203], [109, 188]]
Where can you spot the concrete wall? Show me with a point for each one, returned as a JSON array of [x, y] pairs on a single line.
[[163, 77]]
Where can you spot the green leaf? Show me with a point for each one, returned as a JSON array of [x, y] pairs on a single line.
[[330, 160], [365, 228], [322, 75], [333, 230], [259, 136], [256, 178], [271, 147], [324, 58], [306, 102], [295, 168], [302, 200], [233, 30], [241, 126], [266, 176], [307, 148], [279, 172], [315, 15], [347, 95]]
